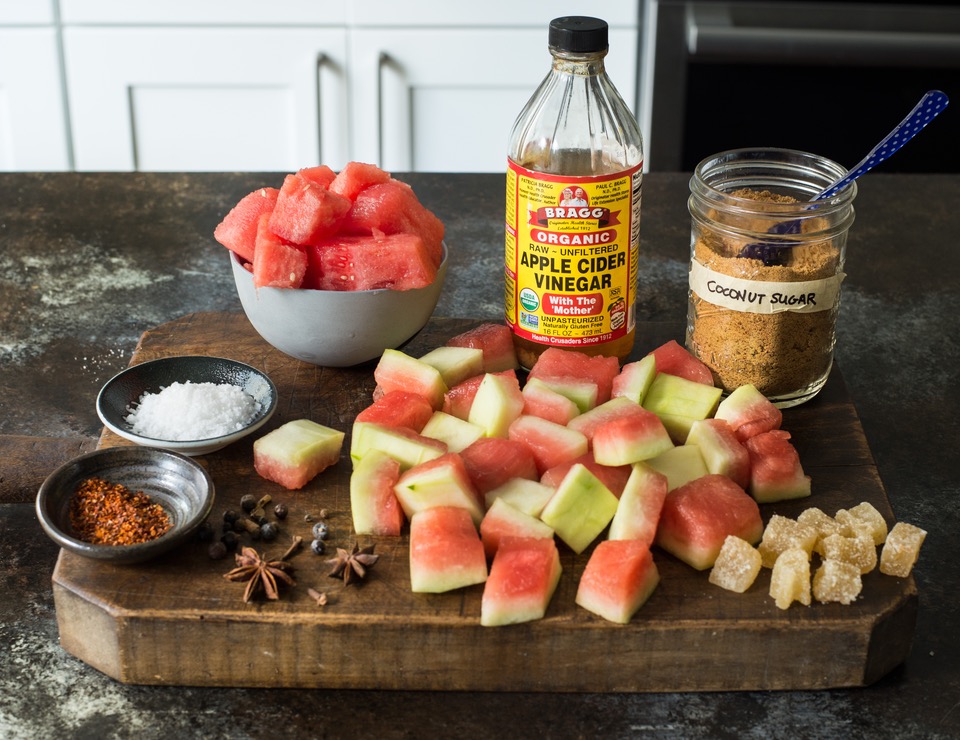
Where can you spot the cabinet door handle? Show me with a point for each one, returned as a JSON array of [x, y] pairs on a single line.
[[394, 124], [713, 34], [331, 126]]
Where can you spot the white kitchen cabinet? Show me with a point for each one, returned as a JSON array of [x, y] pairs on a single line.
[[33, 125], [445, 100], [206, 98]]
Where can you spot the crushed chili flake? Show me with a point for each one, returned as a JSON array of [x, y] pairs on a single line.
[[105, 513]]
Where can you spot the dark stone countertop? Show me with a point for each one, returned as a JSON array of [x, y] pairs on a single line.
[[88, 262]]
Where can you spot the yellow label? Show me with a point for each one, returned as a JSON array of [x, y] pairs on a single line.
[[570, 258]]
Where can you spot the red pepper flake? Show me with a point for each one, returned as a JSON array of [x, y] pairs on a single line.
[[105, 513]]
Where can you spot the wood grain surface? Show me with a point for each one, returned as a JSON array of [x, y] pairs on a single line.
[[176, 621]]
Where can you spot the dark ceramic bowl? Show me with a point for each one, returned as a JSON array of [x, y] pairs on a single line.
[[122, 392], [180, 485]]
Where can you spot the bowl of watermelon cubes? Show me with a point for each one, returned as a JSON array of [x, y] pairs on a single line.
[[334, 268]]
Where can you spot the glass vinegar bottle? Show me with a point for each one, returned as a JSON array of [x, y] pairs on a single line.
[[574, 176]]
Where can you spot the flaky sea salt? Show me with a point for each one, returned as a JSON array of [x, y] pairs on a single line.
[[192, 411]]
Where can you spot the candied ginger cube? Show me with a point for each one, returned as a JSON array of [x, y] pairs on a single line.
[[836, 580], [825, 524], [790, 580], [782, 533], [737, 565], [859, 551], [901, 549], [863, 519]]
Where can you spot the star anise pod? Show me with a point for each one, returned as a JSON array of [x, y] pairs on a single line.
[[262, 574], [352, 566]]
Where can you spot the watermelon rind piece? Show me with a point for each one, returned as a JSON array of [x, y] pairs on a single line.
[[617, 580], [522, 580], [399, 371], [503, 519], [539, 399], [641, 502], [635, 379], [439, 482], [404, 445], [529, 496], [722, 451], [455, 364], [615, 408], [496, 342], [749, 412], [680, 465], [580, 509], [551, 444], [584, 393], [373, 503], [630, 439], [497, 403], [294, 453], [446, 552], [680, 402], [455, 433]]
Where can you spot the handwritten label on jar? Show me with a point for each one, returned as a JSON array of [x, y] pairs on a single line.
[[759, 296]]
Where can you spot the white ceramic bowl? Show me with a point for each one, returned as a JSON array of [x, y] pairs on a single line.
[[336, 328], [124, 390]]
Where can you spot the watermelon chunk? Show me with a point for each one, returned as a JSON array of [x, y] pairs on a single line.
[[394, 262], [523, 577], [404, 445], [673, 359], [307, 213], [393, 208], [580, 508], [354, 177], [641, 502], [445, 551], [618, 579], [565, 363], [496, 341], [630, 439], [320, 175], [398, 408], [551, 444], [238, 230], [722, 452], [492, 461], [397, 371], [615, 408], [455, 433], [541, 400], [442, 481], [276, 264], [503, 519], [458, 400], [613, 477], [698, 516], [373, 503], [294, 453], [498, 401], [749, 412], [775, 470], [634, 379]]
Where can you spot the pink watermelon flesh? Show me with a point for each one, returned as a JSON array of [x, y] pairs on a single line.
[[749, 412], [276, 264], [458, 400], [523, 577], [320, 175], [775, 470], [564, 363], [393, 208], [375, 509], [698, 516], [617, 408], [396, 262], [674, 359], [505, 520], [548, 404], [617, 580], [238, 230], [355, 176], [492, 461], [613, 477], [399, 409], [496, 341], [307, 213], [446, 552]]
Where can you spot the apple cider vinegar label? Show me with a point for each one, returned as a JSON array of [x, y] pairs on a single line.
[[572, 246]]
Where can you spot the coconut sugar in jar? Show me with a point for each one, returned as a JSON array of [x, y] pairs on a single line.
[[766, 267]]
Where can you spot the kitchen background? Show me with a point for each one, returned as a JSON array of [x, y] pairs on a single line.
[[421, 85]]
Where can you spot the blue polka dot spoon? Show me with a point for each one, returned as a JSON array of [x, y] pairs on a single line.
[[929, 107]]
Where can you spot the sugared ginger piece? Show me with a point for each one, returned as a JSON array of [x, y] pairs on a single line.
[[790, 579], [901, 549], [837, 581], [737, 565]]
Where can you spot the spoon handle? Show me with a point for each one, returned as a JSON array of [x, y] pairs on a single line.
[[923, 112]]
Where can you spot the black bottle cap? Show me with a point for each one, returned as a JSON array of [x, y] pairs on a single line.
[[578, 33]]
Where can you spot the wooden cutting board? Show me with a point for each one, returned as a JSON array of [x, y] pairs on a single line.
[[177, 621]]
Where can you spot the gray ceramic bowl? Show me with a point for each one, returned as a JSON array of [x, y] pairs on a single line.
[[336, 328], [122, 392], [180, 485]]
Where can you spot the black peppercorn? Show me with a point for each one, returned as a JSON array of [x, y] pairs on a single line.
[[248, 502], [269, 531], [230, 540], [280, 510]]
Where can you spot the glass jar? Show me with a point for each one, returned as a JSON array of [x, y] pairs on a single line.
[[766, 266]]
